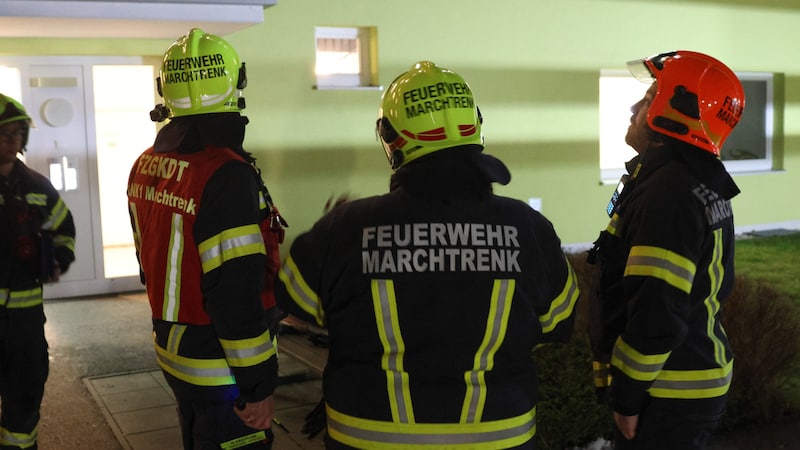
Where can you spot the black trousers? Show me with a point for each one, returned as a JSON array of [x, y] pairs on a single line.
[[24, 367], [208, 421], [660, 428]]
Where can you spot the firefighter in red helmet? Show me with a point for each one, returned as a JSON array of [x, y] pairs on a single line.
[[37, 245], [207, 238], [666, 259]]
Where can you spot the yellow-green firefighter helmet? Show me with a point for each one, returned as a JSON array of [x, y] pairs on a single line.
[[426, 109], [200, 74], [12, 111]]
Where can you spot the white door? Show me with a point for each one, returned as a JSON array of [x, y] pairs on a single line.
[[71, 144]]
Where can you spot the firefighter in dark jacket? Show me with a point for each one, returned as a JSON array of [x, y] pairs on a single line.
[[37, 245], [435, 294], [666, 259], [207, 237]]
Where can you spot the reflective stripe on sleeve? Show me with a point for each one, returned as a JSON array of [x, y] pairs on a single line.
[[663, 264], [562, 306], [200, 372], [57, 216], [636, 365], [300, 291], [248, 352], [231, 244]]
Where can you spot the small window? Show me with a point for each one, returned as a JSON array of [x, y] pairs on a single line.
[[747, 149], [345, 57]]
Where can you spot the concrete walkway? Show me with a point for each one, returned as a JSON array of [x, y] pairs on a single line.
[[105, 391]]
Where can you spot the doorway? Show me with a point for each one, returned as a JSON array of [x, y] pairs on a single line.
[[91, 121]]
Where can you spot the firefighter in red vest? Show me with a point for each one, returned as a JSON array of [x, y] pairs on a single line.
[[37, 245], [207, 238]]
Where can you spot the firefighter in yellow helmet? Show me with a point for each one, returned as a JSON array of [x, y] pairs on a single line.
[[37, 245], [666, 259], [435, 293], [207, 238]]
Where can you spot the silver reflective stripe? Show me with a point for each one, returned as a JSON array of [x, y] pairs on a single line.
[[692, 384], [172, 281], [22, 299], [201, 372], [384, 302], [434, 435], [650, 369], [502, 294]]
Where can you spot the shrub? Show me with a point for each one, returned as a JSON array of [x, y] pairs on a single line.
[[764, 330], [763, 327], [568, 413]]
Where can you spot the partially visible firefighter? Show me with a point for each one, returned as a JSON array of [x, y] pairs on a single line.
[[434, 294], [666, 259], [207, 238], [37, 245]]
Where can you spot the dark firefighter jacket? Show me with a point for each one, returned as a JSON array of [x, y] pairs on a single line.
[[666, 269], [434, 296], [200, 215], [36, 232]]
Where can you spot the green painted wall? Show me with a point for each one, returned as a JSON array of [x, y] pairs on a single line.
[[534, 68]]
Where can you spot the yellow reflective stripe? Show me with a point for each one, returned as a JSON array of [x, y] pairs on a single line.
[[262, 202], [562, 306], [379, 435], [174, 337], [248, 352], [663, 264], [231, 244], [600, 373], [172, 278], [200, 372], [716, 272], [242, 441], [496, 326], [636, 365], [61, 240], [20, 440], [57, 216], [136, 229], [21, 299], [612, 225], [384, 303], [36, 199], [300, 292], [689, 384]]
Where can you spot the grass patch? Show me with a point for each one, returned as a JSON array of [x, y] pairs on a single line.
[[774, 259]]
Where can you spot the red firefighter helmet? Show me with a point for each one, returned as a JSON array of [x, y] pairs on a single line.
[[699, 100]]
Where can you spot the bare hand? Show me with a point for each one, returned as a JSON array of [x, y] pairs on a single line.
[[626, 424], [55, 276], [256, 415]]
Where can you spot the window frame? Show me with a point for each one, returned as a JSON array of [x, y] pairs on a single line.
[[367, 61], [611, 132]]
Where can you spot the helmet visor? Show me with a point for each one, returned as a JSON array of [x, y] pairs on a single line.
[[638, 68]]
